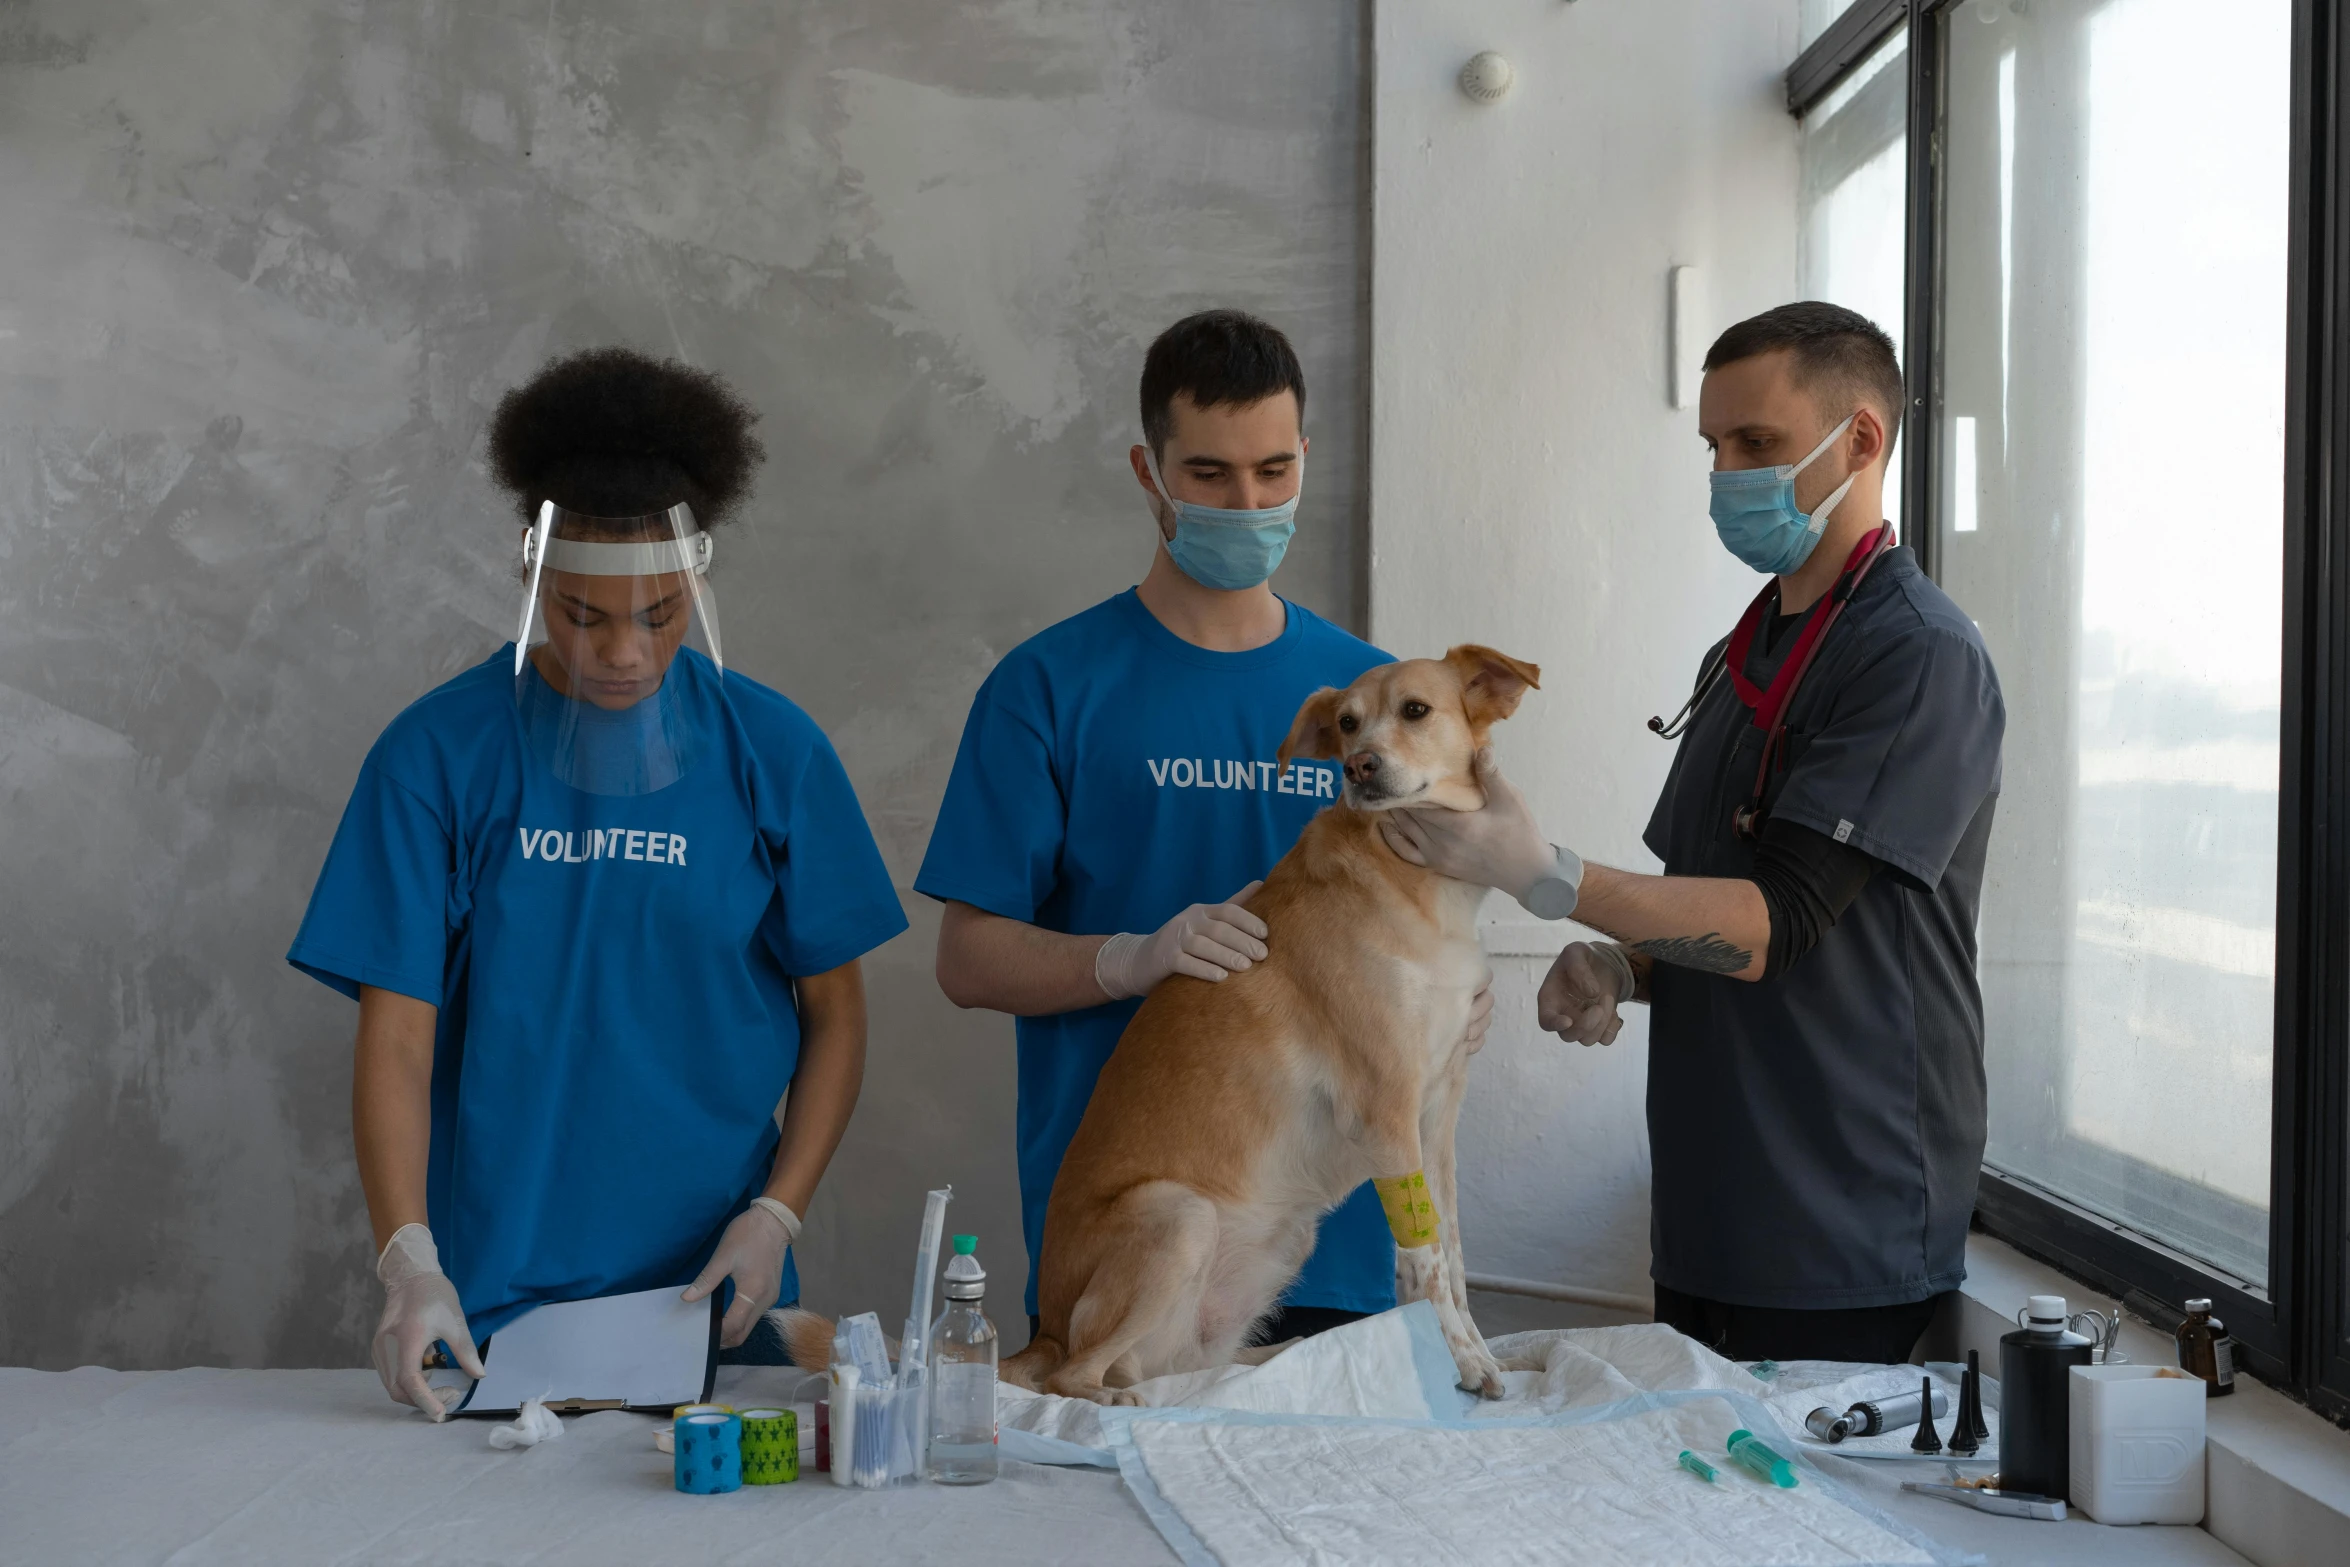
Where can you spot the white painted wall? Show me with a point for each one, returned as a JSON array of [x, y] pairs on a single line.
[[1532, 488]]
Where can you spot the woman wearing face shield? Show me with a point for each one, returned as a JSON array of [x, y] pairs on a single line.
[[601, 899]]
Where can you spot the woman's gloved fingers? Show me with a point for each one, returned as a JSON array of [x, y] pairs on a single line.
[[415, 1390], [739, 1320], [459, 1338]]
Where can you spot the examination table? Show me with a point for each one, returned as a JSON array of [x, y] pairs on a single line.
[[201, 1465]]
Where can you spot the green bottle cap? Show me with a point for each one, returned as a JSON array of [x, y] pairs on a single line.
[[965, 1245]]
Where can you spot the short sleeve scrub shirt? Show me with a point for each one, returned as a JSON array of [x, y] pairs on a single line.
[[1816, 1135]]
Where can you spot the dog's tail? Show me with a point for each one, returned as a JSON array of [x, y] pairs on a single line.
[[1031, 1366], [807, 1336]]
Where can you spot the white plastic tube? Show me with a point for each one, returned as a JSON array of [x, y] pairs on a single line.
[[914, 1348]]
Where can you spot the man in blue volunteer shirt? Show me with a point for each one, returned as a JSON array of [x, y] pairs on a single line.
[[1815, 1082], [1116, 783]]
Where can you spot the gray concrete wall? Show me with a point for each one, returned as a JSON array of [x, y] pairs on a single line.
[[265, 268]]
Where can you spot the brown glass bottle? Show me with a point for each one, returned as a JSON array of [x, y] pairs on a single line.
[[2206, 1350]]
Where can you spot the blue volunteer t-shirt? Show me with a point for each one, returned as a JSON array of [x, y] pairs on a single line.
[[1111, 775], [614, 974]]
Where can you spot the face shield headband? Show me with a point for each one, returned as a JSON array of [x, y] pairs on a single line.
[[616, 648]]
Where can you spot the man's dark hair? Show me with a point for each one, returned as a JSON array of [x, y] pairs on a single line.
[[614, 433], [1216, 358], [1840, 357]]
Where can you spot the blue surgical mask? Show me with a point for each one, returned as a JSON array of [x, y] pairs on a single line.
[[1754, 512], [1228, 550]]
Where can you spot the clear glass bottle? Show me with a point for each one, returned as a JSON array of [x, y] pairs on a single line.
[[2206, 1349], [962, 1378]]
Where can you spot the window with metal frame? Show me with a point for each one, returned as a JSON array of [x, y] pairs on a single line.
[[2127, 292], [1851, 217]]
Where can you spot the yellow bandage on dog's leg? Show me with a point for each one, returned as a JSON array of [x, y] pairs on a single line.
[[1411, 1211]]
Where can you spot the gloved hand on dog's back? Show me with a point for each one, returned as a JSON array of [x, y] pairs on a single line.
[[1206, 941], [1580, 995], [1501, 846]]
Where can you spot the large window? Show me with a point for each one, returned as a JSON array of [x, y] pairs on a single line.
[[2113, 424], [2129, 249], [1852, 225]]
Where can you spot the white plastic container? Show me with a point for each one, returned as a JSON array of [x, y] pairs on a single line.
[[2137, 1444]]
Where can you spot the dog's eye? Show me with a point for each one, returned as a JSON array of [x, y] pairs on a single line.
[[1349, 724], [1413, 712]]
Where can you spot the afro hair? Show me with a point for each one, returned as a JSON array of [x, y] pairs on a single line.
[[614, 433]]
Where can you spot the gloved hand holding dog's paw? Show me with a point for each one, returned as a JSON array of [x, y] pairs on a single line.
[[1581, 993], [1206, 941]]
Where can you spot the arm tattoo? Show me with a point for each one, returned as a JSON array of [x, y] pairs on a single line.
[[1708, 954]]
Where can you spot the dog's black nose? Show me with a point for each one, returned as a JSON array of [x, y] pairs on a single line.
[[1362, 767]]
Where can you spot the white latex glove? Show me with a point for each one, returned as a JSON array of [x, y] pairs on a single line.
[[1480, 1017], [1581, 993], [751, 1253], [420, 1305], [1500, 846], [1206, 941]]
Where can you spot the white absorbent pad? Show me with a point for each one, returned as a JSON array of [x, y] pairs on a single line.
[[1600, 1487], [1394, 1364]]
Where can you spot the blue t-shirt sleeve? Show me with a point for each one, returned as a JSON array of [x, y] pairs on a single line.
[[997, 845], [1906, 754], [379, 914], [838, 903]]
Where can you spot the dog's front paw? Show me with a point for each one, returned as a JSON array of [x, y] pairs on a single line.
[[1480, 1374], [1117, 1398]]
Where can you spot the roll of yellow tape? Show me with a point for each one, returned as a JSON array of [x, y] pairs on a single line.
[[1411, 1211]]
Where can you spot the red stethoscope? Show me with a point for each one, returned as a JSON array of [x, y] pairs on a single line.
[[1770, 705]]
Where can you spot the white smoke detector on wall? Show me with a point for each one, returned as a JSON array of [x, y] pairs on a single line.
[[1487, 77]]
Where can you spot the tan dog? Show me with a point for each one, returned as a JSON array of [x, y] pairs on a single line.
[[1234, 1115]]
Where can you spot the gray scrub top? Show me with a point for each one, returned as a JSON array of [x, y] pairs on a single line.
[[1816, 1136]]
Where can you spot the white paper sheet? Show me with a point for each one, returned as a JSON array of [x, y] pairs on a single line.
[[651, 1350]]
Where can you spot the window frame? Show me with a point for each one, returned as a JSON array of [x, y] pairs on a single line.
[[2295, 1334]]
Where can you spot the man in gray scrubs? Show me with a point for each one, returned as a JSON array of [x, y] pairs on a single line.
[[1815, 1085]]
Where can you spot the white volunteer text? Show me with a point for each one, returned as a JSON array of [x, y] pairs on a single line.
[[1186, 772], [598, 843]]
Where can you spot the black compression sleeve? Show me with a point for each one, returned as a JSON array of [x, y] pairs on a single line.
[[1807, 880]]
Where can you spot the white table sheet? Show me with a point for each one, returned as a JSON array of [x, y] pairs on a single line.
[[204, 1466]]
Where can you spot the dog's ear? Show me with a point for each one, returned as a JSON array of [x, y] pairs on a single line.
[[1314, 734], [1491, 683]]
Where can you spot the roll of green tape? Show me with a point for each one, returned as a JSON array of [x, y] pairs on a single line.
[[771, 1446]]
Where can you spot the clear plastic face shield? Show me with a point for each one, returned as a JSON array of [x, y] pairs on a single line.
[[617, 620]]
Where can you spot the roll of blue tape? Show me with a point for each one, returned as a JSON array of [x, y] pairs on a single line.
[[709, 1453]]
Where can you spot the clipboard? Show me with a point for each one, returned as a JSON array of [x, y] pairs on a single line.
[[646, 1351]]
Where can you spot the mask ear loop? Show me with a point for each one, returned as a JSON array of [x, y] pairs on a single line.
[[693, 553], [1165, 497], [1833, 437], [1175, 507], [534, 552], [1819, 516]]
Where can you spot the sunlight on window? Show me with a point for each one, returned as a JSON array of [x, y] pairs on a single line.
[[2114, 381], [1853, 234]]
